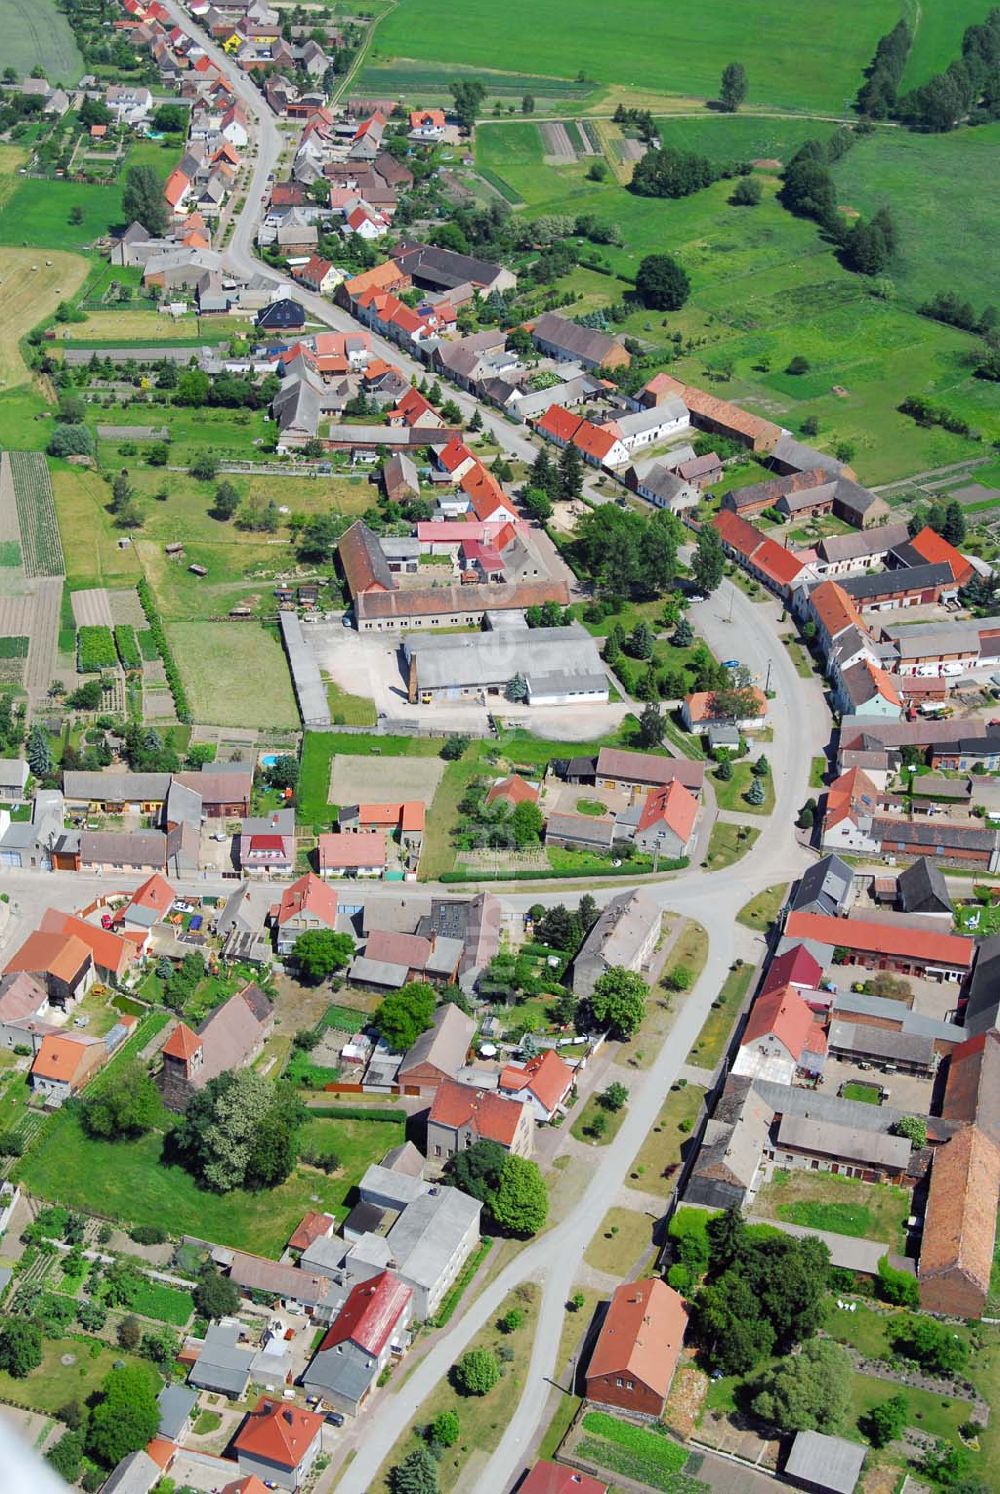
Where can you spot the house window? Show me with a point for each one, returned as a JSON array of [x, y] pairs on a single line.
[[619, 1383]]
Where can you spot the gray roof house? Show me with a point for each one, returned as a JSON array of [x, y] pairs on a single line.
[[176, 1404], [388, 1189], [625, 934], [825, 887], [983, 991], [224, 1363], [920, 888], [13, 777], [135, 1474], [821, 1463], [430, 1242]]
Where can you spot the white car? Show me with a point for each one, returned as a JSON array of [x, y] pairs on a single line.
[[952, 669]]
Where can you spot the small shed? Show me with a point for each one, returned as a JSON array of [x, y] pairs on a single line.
[[198, 570], [175, 551], [827, 1465]]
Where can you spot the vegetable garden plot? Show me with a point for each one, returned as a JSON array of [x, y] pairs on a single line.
[[41, 546]]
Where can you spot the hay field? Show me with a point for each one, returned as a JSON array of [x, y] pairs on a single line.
[[27, 296]]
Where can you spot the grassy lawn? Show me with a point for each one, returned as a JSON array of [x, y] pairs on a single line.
[[482, 1419], [623, 1236], [714, 1035], [690, 950], [761, 911], [846, 1206], [235, 674], [53, 1384], [732, 794], [349, 710], [128, 1182], [800, 657], [868, 1094], [673, 49], [585, 1119], [38, 212], [660, 1153], [727, 843], [817, 772]]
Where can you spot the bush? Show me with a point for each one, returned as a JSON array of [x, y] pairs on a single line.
[[148, 1234], [127, 645], [476, 1372]]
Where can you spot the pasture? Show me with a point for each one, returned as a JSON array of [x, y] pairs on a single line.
[[942, 192], [27, 296], [938, 37], [676, 48], [37, 33], [235, 674]]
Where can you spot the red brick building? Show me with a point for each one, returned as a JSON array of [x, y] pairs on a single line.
[[637, 1348]]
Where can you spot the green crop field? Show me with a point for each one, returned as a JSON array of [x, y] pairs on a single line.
[[235, 674], [37, 33], [677, 48], [938, 37]]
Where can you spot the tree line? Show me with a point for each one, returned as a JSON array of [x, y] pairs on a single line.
[[808, 190], [968, 90]]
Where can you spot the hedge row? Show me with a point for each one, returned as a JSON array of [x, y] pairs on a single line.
[[356, 1113], [95, 650], [155, 621], [128, 646], [534, 875]]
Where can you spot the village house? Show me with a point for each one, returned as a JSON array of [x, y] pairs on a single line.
[[635, 773], [350, 854], [230, 1038], [308, 904], [62, 963], [279, 1443], [637, 1349], [625, 934], [439, 1053], [558, 337], [368, 1332], [460, 1115], [543, 1082], [63, 1064]]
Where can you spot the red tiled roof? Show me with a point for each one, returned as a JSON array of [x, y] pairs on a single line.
[[730, 416], [61, 1057], [642, 1334], [61, 955], [338, 849], [737, 533], [513, 790], [391, 948], [310, 894], [559, 423], [782, 1013], [176, 185], [454, 454], [596, 440], [777, 563], [156, 893], [547, 1077], [278, 1432], [487, 1114], [182, 1043], [311, 1227], [557, 1478], [674, 806], [961, 1212], [795, 967], [921, 945], [109, 950], [369, 1316], [834, 608], [699, 704], [938, 551], [853, 790]]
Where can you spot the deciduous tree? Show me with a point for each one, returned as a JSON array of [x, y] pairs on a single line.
[[618, 1001]]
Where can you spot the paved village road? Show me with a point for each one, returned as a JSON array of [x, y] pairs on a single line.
[[240, 256], [801, 729]]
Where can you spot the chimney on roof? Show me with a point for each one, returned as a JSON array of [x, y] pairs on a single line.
[[288, 1417]]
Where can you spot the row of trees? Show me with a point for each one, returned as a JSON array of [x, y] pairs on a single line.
[[808, 191]]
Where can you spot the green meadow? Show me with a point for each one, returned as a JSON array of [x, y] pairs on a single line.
[[938, 36], [793, 61]]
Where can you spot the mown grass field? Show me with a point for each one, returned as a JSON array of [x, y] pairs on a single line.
[[767, 288], [37, 212], [53, 1384], [37, 33], [676, 48], [235, 674], [31, 286]]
